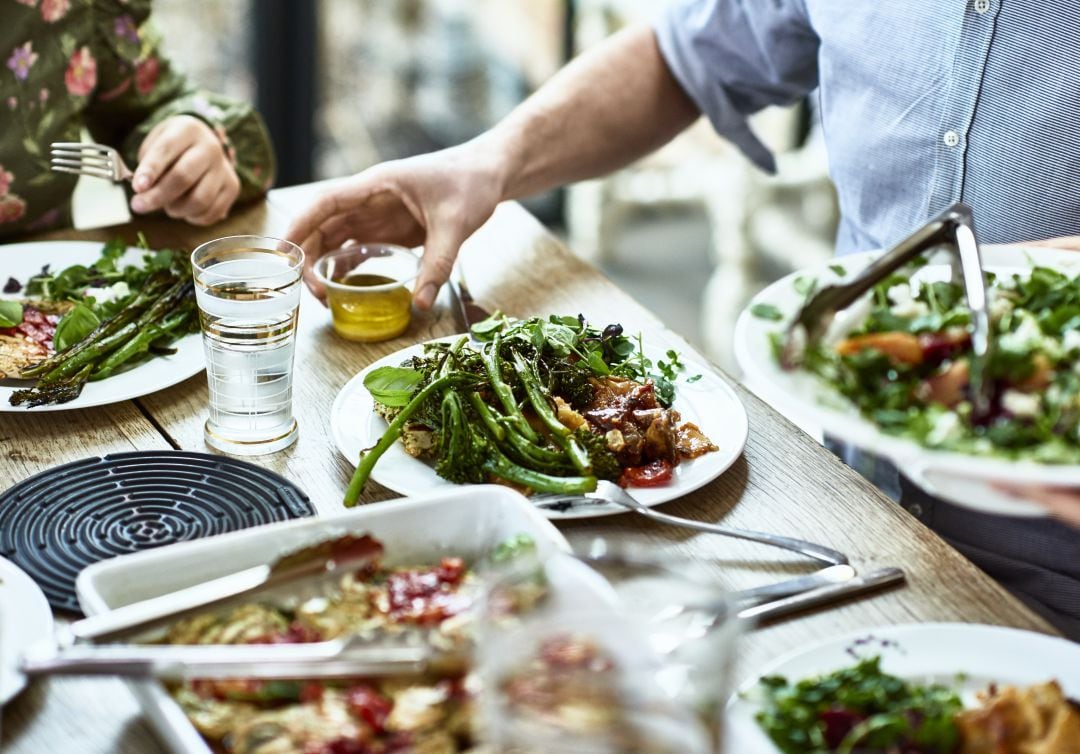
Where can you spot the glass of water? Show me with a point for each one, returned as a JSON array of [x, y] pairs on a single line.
[[619, 650], [248, 291]]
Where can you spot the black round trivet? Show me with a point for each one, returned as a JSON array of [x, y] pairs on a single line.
[[58, 522]]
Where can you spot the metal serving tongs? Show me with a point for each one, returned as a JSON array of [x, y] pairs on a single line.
[[952, 230], [91, 646]]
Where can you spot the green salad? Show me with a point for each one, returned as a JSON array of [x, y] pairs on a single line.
[[85, 323], [859, 709], [906, 365]]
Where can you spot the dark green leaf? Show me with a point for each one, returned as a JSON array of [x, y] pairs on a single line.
[[597, 363], [694, 378], [838, 269]]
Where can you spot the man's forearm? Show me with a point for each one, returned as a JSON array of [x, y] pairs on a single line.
[[607, 108]]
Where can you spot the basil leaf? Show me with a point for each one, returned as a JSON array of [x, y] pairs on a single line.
[[11, 313], [766, 311], [393, 386], [75, 325]]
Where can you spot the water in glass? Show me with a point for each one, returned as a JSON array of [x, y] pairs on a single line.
[[248, 296]]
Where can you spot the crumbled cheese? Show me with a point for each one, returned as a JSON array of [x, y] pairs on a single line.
[[946, 427], [109, 293], [999, 305], [1071, 341], [1027, 337], [900, 294], [910, 309], [1019, 404]]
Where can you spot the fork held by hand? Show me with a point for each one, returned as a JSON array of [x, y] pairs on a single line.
[[94, 160]]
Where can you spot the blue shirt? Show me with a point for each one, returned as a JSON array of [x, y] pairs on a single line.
[[923, 102]]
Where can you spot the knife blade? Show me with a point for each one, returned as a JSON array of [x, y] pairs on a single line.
[[822, 595], [466, 311]]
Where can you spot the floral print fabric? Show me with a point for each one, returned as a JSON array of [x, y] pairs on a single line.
[[97, 64]]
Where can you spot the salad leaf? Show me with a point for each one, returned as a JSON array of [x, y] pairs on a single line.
[[11, 313], [74, 326], [860, 708], [766, 311], [393, 386]]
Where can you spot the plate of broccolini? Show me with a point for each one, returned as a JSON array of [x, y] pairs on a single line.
[[547, 405], [84, 324]]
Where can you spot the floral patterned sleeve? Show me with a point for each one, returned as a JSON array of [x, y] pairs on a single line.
[[137, 88]]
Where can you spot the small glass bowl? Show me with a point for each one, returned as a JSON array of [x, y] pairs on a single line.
[[369, 289]]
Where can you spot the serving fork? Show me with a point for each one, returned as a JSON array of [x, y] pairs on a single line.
[[94, 160], [953, 230], [608, 492]]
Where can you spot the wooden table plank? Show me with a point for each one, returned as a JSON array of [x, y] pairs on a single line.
[[784, 483]]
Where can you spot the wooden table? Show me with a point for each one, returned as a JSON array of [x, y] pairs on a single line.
[[784, 483]]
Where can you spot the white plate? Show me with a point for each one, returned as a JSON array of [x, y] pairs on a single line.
[[709, 402], [959, 477], [23, 260], [967, 657], [467, 522], [24, 618]]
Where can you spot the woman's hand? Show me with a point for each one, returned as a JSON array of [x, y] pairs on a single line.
[[183, 170], [437, 200]]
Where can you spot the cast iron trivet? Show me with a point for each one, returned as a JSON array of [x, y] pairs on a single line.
[[58, 522]]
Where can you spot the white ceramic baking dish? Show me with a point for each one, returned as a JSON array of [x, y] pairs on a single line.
[[466, 522]]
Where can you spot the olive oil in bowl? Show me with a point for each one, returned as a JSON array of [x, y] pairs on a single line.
[[369, 290], [376, 308]]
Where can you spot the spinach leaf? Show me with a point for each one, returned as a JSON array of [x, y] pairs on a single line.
[[74, 326], [11, 313]]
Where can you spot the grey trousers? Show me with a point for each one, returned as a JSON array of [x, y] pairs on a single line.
[[1037, 559]]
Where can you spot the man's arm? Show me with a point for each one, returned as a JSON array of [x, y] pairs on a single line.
[[610, 106], [607, 108]]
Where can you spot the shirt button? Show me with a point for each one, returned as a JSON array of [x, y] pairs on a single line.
[[915, 509], [981, 6], [951, 138]]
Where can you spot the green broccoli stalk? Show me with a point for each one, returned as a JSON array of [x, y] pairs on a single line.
[[467, 455], [560, 433], [368, 458], [460, 459], [487, 416], [503, 392]]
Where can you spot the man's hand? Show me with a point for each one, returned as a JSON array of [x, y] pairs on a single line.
[[437, 200], [1068, 243], [183, 169], [1062, 503]]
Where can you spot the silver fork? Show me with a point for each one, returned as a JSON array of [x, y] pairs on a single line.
[[95, 160], [608, 492]]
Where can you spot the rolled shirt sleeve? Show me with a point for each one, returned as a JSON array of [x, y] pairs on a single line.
[[736, 57]]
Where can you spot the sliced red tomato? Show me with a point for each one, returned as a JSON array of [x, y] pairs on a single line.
[[653, 474], [369, 705]]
